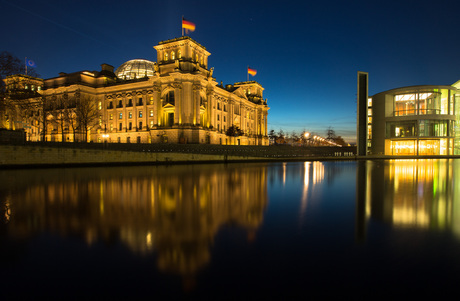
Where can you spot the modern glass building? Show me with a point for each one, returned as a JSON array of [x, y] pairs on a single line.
[[414, 121]]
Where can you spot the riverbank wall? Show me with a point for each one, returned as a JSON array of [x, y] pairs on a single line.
[[52, 155]]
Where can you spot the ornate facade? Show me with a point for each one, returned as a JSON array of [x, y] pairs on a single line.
[[175, 100]]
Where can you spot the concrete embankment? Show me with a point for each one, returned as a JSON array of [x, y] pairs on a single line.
[[32, 156]]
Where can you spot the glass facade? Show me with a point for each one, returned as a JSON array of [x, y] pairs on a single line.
[[135, 69], [422, 120], [434, 102]]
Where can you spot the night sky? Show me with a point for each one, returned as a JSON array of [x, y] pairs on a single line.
[[306, 53]]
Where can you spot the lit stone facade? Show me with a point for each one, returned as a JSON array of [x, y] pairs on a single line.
[[413, 121], [178, 101]]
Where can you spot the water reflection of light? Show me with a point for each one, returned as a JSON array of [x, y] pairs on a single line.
[[416, 193], [314, 173], [284, 173], [173, 210], [306, 181]]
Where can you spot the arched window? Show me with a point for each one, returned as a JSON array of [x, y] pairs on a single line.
[[166, 56], [179, 54], [201, 60], [173, 55]]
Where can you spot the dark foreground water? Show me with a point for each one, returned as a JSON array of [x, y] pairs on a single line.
[[249, 231]]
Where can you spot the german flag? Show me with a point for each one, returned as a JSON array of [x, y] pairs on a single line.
[[187, 25], [252, 71]]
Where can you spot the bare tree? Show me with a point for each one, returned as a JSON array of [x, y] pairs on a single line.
[[17, 91], [86, 113]]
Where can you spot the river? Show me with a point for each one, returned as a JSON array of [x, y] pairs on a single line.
[[232, 231]]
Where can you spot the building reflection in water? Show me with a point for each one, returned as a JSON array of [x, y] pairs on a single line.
[[410, 193], [172, 211]]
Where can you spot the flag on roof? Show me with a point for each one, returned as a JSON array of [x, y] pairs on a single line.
[[252, 71], [187, 25]]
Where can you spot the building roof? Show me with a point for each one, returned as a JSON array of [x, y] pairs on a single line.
[[180, 39]]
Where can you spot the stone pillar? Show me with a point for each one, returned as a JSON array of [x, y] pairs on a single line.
[[157, 105], [210, 110], [178, 103], [196, 105]]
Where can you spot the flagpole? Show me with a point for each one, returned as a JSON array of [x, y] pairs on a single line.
[[182, 25], [25, 63]]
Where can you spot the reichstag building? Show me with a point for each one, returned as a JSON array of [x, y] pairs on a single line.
[[173, 100]]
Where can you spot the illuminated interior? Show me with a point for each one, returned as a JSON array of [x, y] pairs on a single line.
[[135, 69]]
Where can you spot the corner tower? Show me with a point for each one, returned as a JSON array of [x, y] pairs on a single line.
[[182, 54]]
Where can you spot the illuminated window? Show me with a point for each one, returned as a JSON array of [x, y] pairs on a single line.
[[173, 55], [429, 147], [196, 57], [111, 117], [151, 113], [179, 54], [151, 124], [166, 56], [100, 119], [401, 129], [140, 114], [201, 60], [99, 105], [405, 147], [120, 116], [130, 115], [151, 100], [405, 104], [111, 127]]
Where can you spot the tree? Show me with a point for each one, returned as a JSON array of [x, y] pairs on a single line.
[[272, 136], [234, 131], [11, 65], [281, 138], [86, 114], [331, 136], [17, 90], [62, 110]]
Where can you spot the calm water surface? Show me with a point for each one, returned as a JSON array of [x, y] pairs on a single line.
[[239, 231]]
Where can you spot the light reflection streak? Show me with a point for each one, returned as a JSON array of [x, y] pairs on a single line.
[[314, 173], [414, 193]]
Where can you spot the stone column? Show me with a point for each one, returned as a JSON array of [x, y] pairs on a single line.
[[157, 105], [178, 103], [196, 105]]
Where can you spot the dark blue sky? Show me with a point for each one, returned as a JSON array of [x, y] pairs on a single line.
[[306, 53]]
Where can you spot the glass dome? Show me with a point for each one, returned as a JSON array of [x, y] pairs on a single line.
[[135, 69]]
